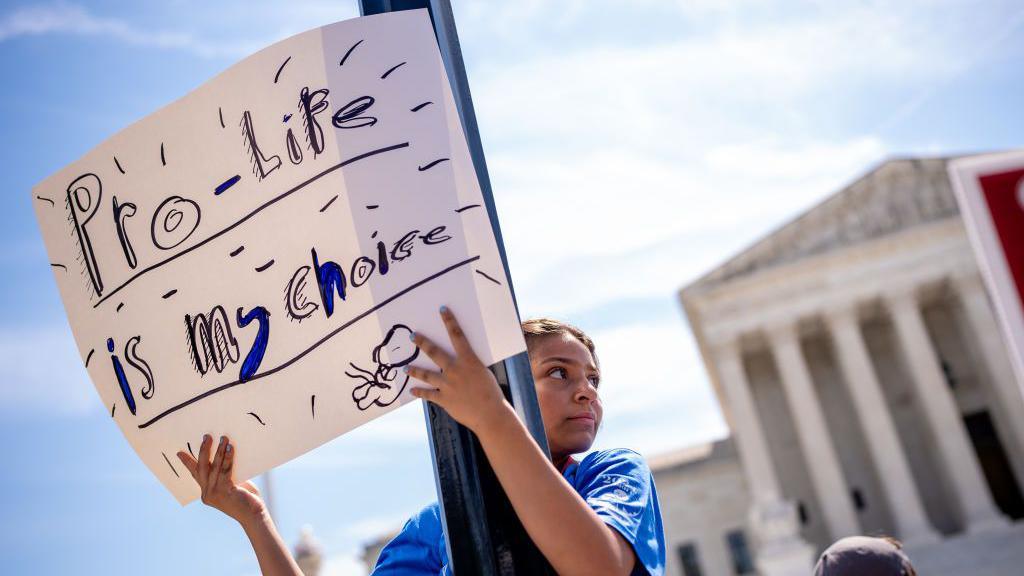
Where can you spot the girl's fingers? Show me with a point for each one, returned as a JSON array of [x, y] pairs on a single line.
[[218, 462], [455, 333], [191, 464], [433, 351], [204, 460], [435, 379], [229, 460], [428, 394]]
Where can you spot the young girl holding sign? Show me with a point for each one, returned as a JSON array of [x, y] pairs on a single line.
[[599, 515]]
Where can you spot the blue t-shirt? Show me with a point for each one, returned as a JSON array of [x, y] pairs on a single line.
[[616, 483]]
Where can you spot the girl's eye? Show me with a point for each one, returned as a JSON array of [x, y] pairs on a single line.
[[559, 373], [595, 381]]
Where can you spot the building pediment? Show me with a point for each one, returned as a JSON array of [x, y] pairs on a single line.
[[897, 195]]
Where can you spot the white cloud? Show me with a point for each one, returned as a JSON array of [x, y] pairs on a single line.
[[235, 29], [73, 19], [654, 390]]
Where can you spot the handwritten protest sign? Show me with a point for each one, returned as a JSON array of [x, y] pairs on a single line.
[[990, 193], [251, 259]]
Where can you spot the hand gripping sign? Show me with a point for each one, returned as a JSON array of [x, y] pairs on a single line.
[[990, 192], [251, 259]]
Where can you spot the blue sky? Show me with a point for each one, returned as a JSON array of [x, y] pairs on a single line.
[[632, 147]]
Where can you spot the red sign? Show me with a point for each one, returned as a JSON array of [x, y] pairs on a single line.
[[1003, 193], [990, 192]]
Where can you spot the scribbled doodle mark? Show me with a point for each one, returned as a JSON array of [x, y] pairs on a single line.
[[131, 355], [387, 382], [312, 405], [261, 165], [286, 118], [328, 205], [392, 69], [169, 464], [265, 266], [349, 53], [52, 203], [464, 208], [174, 221], [122, 380], [83, 200], [419, 107], [211, 343], [122, 212], [226, 184], [189, 445], [237, 251], [488, 277], [257, 417], [61, 266], [89, 357], [118, 164], [283, 64], [220, 113], [296, 303], [113, 407], [119, 306], [170, 293], [163, 159], [348, 116], [432, 164], [372, 206], [259, 345]]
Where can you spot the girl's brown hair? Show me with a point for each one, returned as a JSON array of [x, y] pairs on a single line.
[[535, 328]]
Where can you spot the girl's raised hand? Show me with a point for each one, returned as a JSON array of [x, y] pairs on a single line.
[[464, 387], [239, 501]]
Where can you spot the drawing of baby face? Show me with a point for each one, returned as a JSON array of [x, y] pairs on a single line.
[[397, 349]]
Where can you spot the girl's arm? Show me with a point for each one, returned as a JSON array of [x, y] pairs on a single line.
[[570, 534], [241, 502]]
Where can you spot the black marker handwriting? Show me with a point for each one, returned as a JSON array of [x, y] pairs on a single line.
[[278, 75], [488, 277], [348, 53], [251, 214], [432, 164], [392, 69], [314, 346], [329, 202]]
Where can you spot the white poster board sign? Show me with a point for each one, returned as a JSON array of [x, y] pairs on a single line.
[[990, 193], [251, 259]]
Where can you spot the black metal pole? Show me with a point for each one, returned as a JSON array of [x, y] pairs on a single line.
[[483, 534]]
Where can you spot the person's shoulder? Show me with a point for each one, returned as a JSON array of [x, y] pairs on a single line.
[[427, 518], [615, 460]]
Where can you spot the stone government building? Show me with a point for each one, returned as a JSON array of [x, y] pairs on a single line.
[[859, 364], [867, 388]]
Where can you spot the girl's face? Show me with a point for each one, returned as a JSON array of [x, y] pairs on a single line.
[[566, 378]]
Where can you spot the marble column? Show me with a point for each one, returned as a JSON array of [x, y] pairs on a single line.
[[1006, 390], [876, 423], [780, 551], [820, 457], [945, 425]]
